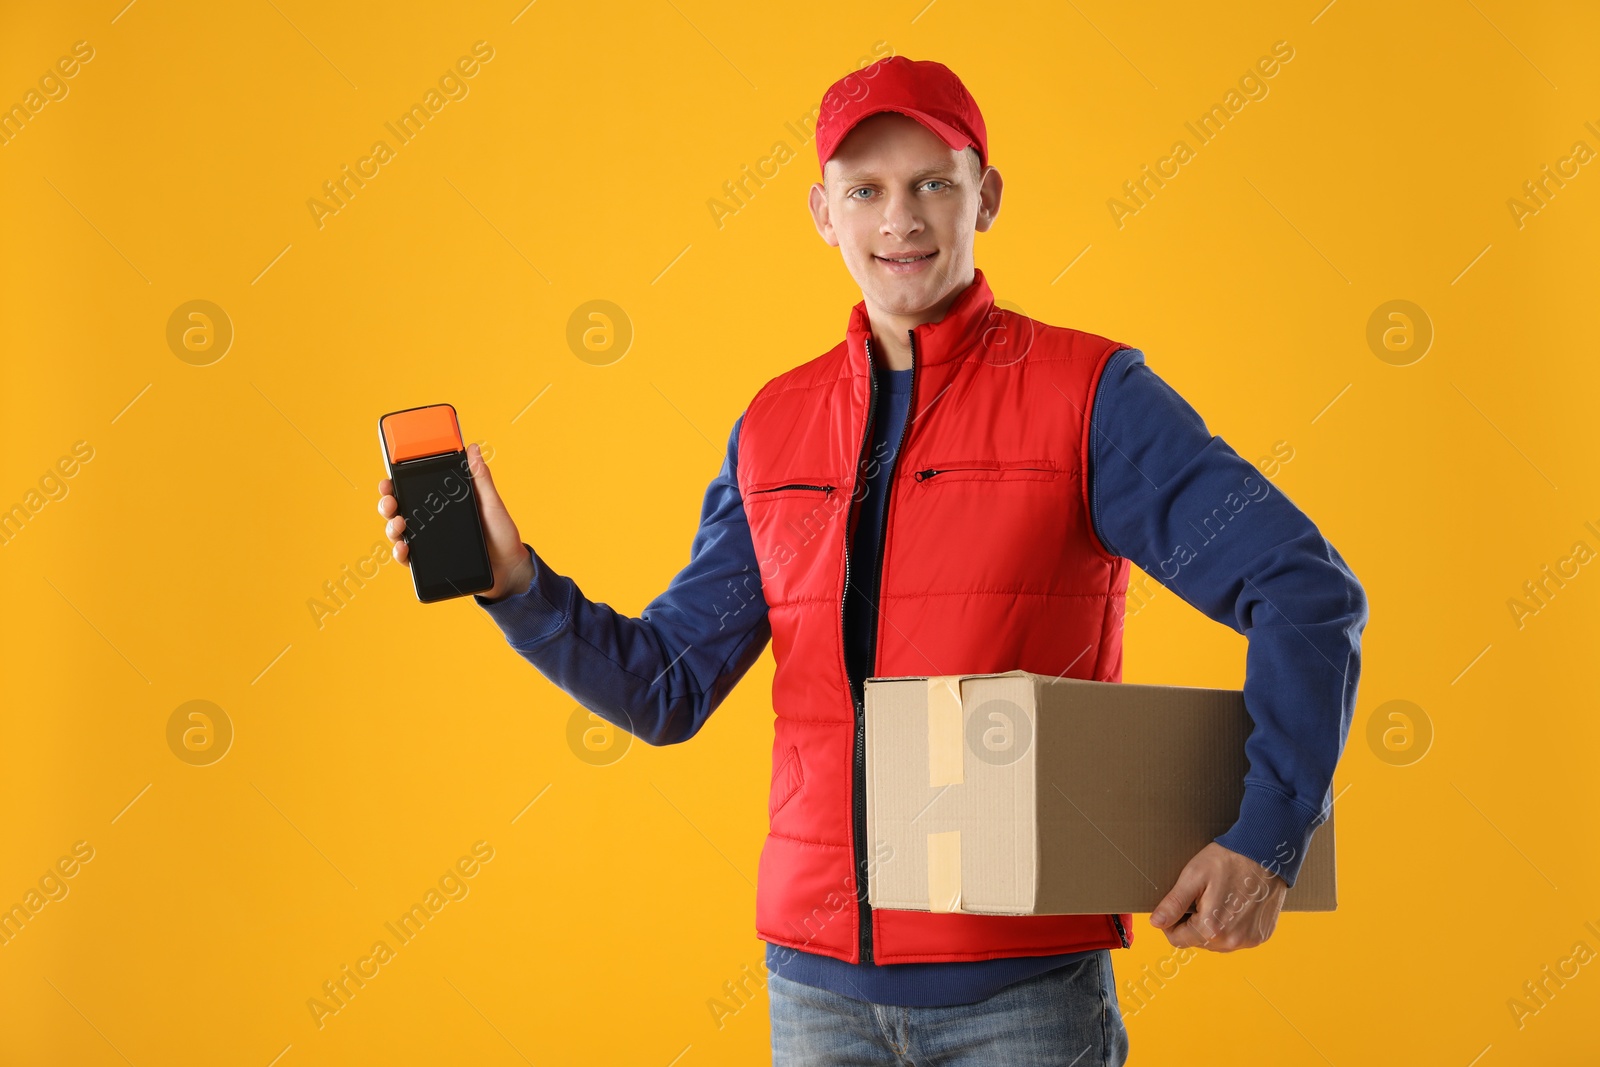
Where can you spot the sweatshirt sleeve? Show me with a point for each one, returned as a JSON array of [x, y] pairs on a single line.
[[1204, 522], [661, 675]]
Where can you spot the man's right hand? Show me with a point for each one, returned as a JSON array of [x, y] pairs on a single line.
[[512, 566]]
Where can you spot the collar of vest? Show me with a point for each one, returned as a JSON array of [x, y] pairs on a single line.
[[937, 342]]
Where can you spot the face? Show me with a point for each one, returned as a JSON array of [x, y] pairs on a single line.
[[893, 190]]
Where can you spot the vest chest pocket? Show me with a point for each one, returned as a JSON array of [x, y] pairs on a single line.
[[990, 524], [791, 521], [978, 470], [776, 490]]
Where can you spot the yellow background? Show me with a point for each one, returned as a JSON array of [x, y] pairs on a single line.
[[373, 751]]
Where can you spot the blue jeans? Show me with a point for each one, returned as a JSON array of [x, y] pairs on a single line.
[[1068, 1017]]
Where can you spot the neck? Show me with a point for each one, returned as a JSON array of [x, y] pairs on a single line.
[[891, 331]]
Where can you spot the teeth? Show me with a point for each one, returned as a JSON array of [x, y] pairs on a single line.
[[910, 259]]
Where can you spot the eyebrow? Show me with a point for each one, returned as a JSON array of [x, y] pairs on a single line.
[[861, 176]]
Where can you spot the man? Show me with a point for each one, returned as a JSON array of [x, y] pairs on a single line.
[[1034, 463]]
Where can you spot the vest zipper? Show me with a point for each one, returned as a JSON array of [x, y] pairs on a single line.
[[857, 760], [1117, 919], [795, 485], [924, 475], [859, 776]]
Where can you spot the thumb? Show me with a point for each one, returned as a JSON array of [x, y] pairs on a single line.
[[497, 522], [481, 478], [1175, 903]]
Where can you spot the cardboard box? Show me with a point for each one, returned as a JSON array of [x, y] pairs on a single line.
[[1020, 794]]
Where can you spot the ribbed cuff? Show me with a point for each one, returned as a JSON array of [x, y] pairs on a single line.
[[531, 616], [1272, 830]]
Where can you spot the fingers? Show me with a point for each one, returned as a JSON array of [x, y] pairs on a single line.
[[1190, 882], [395, 528]]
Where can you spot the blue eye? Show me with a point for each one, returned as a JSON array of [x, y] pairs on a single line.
[[852, 193], [933, 181]]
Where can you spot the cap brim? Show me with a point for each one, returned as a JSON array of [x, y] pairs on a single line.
[[947, 133]]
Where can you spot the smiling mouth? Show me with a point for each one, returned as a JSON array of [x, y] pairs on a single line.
[[906, 259]]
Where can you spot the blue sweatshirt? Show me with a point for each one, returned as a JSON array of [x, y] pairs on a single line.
[[1156, 476]]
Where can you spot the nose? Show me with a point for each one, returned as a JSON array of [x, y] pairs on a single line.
[[900, 218]]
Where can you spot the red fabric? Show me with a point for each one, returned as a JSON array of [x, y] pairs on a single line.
[[924, 89], [988, 568]]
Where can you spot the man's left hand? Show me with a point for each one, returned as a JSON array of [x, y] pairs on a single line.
[[1238, 907]]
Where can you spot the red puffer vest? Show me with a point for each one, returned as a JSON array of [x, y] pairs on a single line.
[[989, 563]]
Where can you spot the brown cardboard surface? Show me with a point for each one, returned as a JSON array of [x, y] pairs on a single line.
[[1020, 794]]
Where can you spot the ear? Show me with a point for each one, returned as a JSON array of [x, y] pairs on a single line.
[[819, 214], [989, 190]]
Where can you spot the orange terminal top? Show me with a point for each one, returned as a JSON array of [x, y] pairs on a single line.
[[422, 432]]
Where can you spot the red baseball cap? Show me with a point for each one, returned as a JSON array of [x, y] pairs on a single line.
[[921, 88]]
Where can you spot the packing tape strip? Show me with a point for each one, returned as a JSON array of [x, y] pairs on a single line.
[[944, 730], [944, 871]]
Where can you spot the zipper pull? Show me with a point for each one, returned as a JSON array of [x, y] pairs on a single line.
[[922, 475]]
